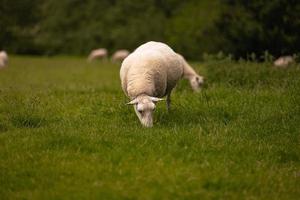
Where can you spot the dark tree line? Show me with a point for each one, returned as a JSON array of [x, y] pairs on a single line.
[[260, 25], [191, 27]]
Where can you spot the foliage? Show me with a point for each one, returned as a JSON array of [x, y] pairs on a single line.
[[260, 25], [19, 25], [76, 27], [191, 27]]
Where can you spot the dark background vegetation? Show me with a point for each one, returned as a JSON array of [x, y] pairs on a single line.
[[191, 27]]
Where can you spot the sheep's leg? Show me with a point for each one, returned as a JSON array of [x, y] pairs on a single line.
[[168, 101]]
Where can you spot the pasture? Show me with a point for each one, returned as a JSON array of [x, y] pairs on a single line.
[[66, 133]]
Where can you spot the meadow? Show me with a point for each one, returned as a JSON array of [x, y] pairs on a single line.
[[67, 133]]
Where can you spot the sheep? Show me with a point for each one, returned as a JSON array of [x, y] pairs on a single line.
[[196, 81], [120, 55], [147, 75], [283, 61], [2, 64], [3, 59], [97, 54]]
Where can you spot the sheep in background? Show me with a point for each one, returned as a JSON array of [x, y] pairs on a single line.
[[147, 74], [97, 54], [3, 59], [2, 64], [196, 81], [120, 55], [283, 61]]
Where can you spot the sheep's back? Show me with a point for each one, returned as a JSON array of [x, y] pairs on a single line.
[[168, 59], [152, 69]]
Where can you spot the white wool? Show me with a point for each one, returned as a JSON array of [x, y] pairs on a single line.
[[97, 54], [189, 73], [152, 69], [187, 69], [2, 64], [283, 61], [3, 59], [120, 55]]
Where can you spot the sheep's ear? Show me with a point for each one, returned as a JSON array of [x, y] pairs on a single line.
[[155, 99], [134, 101]]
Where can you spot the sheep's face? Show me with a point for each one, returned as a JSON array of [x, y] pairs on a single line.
[[144, 112], [144, 107], [196, 82]]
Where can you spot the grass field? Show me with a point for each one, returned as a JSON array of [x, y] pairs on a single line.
[[66, 133]]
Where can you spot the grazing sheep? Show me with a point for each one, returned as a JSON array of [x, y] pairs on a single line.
[[120, 55], [2, 64], [196, 81], [147, 74], [3, 59], [97, 54], [283, 61]]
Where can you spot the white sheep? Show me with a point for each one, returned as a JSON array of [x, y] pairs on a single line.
[[283, 61], [120, 55], [2, 64], [196, 81], [147, 74], [3, 59], [97, 54]]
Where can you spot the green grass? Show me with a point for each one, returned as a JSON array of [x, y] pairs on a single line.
[[66, 133]]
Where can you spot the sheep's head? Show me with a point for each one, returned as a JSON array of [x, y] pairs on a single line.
[[144, 106], [196, 82]]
